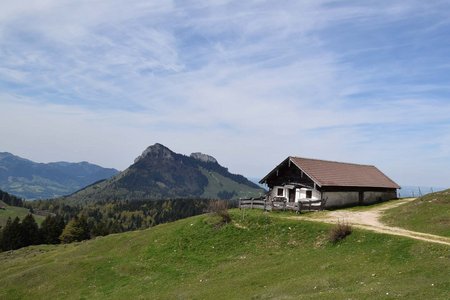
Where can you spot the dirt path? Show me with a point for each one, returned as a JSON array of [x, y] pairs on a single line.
[[370, 219]]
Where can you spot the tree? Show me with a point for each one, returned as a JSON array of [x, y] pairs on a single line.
[[51, 229], [5, 240], [12, 235], [29, 231], [75, 231]]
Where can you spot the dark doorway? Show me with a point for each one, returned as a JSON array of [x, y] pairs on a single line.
[[291, 195], [361, 198]]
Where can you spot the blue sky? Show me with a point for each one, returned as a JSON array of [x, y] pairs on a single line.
[[249, 82]]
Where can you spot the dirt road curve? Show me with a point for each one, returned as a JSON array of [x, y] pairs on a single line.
[[370, 219]]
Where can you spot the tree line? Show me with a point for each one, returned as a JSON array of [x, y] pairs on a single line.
[[10, 199], [65, 223], [17, 234]]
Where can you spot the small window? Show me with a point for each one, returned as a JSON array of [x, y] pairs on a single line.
[[280, 192], [308, 194]]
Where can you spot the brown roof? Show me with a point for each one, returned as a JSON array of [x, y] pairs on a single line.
[[332, 173]]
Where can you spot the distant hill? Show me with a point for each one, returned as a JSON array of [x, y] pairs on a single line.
[[160, 173], [27, 179]]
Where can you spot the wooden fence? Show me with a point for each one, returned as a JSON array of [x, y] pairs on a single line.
[[269, 205]]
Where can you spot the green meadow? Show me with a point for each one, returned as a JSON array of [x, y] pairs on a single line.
[[429, 214], [256, 256], [13, 211]]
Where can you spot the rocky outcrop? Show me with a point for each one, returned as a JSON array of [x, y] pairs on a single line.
[[156, 151], [204, 157]]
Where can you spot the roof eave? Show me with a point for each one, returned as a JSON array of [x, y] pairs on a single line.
[[262, 181]]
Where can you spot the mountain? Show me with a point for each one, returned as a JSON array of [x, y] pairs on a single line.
[[160, 173], [27, 179]]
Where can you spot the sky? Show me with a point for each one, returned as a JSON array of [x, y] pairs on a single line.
[[248, 82]]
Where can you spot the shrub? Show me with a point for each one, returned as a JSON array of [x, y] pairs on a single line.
[[75, 231], [339, 232], [220, 208]]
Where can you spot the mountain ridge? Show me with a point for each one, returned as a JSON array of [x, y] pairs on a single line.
[[160, 173], [32, 180]]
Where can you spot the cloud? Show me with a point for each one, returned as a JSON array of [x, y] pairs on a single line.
[[248, 82]]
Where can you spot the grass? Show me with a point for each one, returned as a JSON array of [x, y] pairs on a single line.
[[13, 211], [257, 256], [429, 214], [217, 183]]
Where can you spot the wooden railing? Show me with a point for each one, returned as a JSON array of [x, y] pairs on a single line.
[[265, 204], [253, 203]]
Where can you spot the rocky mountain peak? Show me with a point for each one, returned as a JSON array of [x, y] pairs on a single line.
[[203, 157], [156, 151]]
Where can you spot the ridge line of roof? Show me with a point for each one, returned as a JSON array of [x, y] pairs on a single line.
[[333, 161]]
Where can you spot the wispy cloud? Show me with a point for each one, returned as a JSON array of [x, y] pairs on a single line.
[[247, 81]]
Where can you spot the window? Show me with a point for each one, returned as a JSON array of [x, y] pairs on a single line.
[[308, 194], [280, 192]]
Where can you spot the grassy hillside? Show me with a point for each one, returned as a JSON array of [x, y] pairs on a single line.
[[218, 185], [429, 214], [13, 211], [260, 257]]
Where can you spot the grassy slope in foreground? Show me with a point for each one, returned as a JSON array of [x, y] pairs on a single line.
[[261, 257], [429, 214], [13, 211]]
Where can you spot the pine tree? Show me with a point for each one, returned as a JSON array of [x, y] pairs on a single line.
[[5, 241], [12, 235], [29, 231], [51, 229]]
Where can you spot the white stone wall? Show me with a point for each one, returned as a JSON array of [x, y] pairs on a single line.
[[342, 199], [339, 199], [300, 193], [374, 197]]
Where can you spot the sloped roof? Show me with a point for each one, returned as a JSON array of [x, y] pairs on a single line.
[[332, 173]]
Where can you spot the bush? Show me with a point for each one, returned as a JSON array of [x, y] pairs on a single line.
[[220, 208], [339, 232], [76, 230]]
